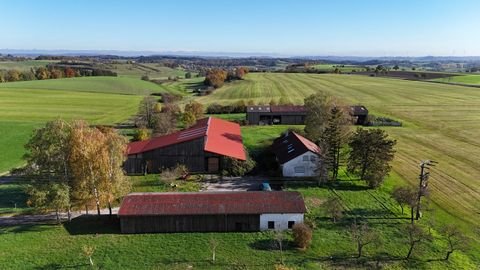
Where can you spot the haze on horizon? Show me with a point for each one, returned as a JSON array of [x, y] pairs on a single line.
[[290, 28]]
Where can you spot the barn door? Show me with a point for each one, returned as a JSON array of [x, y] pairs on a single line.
[[213, 164]]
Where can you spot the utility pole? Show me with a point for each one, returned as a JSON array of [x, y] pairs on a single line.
[[425, 166]]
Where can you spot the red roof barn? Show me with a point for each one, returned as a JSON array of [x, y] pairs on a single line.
[[209, 211], [201, 148]]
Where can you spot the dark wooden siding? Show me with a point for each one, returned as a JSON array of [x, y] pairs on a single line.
[[190, 154], [190, 223], [287, 118]]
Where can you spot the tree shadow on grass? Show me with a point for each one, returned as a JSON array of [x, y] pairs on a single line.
[[52, 266], [93, 224], [26, 228], [271, 245]]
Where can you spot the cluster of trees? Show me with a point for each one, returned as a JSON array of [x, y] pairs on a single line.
[[153, 116], [192, 112], [50, 72], [238, 107], [73, 164], [216, 77], [368, 152]]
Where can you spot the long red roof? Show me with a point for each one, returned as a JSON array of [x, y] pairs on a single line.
[[211, 203], [221, 137]]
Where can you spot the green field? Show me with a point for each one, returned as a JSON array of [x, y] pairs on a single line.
[[137, 70], [464, 79], [27, 105], [24, 65], [109, 85], [441, 122], [344, 68], [54, 246]]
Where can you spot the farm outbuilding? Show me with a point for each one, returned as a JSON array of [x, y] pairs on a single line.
[[245, 211], [276, 115], [359, 114], [293, 115], [201, 148], [297, 156]]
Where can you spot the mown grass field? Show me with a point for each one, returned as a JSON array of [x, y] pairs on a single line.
[[441, 122], [152, 70], [109, 85], [465, 79], [27, 105]]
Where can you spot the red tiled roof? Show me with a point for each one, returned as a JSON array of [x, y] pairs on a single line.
[[292, 145], [222, 137], [211, 203]]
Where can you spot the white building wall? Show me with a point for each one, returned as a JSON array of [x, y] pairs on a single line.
[[308, 161], [281, 220]]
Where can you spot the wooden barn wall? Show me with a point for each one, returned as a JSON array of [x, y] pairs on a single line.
[[288, 118], [190, 223], [190, 153]]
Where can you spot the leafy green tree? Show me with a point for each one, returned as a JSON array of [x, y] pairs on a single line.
[[405, 196], [188, 75], [370, 154], [333, 138], [195, 108], [235, 167], [396, 67], [318, 108], [189, 119], [141, 134], [48, 167]]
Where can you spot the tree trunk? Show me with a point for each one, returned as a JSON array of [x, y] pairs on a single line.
[[69, 214], [412, 215], [97, 200], [401, 206], [110, 209], [360, 247], [410, 251], [86, 209], [448, 255], [58, 216]]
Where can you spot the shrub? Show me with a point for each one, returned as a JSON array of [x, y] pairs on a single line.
[[141, 134], [169, 175], [302, 235], [235, 167]]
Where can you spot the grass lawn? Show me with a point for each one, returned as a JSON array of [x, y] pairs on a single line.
[[229, 116], [31, 246], [465, 79]]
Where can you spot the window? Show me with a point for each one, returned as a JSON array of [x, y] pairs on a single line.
[[305, 158], [290, 224], [299, 169], [271, 224]]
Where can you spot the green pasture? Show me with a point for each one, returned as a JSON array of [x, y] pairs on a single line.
[[464, 79], [24, 65], [441, 122]]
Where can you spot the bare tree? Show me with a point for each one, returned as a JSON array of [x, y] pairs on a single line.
[[363, 236], [455, 238], [334, 208], [416, 235], [279, 239]]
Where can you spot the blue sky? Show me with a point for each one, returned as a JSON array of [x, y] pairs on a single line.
[[287, 27]]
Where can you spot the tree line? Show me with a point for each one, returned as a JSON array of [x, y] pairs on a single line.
[[50, 72]]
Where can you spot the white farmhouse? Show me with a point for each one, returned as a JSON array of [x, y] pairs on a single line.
[[298, 156]]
